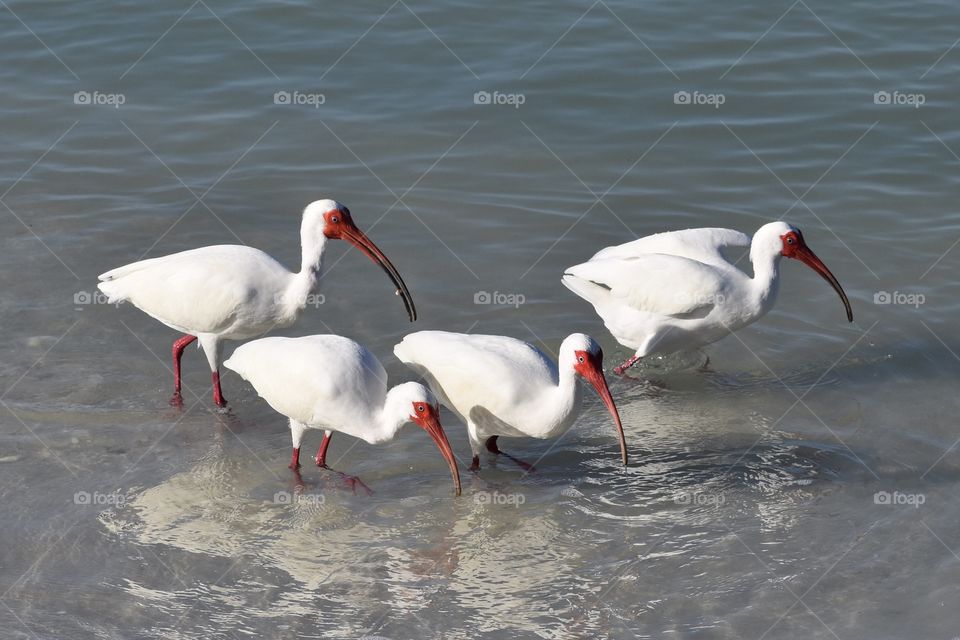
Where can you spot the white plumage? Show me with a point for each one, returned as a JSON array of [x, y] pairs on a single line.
[[333, 383], [229, 292], [500, 386], [677, 291]]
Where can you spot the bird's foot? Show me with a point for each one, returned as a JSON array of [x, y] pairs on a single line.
[[298, 484], [352, 481], [526, 466], [177, 400], [475, 464], [494, 449]]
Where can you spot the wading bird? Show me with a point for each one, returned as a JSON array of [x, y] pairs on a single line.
[[233, 292], [333, 383], [500, 386], [677, 291]]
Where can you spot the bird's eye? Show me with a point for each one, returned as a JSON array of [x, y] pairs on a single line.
[[580, 358], [334, 219], [790, 240], [420, 408]]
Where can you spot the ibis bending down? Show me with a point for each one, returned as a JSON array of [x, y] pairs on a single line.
[[500, 386], [333, 383], [677, 291], [231, 292]]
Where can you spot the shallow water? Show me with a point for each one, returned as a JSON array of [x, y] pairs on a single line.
[[750, 508]]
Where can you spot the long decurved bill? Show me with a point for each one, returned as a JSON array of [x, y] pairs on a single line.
[[433, 427], [594, 375], [360, 240], [809, 258]]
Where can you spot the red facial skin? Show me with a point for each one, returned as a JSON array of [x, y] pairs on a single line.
[[338, 225], [427, 417], [795, 247], [590, 366]]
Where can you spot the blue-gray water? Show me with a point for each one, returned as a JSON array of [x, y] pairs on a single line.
[[750, 508]]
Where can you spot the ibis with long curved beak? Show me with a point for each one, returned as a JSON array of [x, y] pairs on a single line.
[[500, 386], [234, 292], [333, 383], [678, 291]]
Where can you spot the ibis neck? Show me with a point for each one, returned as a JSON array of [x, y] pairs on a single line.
[[306, 281], [388, 419], [766, 276], [312, 246], [559, 405]]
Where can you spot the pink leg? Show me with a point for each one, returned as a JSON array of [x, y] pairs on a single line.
[[178, 347], [629, 362], [322, 451], [295, 459], [218, 398]]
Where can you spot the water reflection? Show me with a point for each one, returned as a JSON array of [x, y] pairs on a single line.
[[560, 537]]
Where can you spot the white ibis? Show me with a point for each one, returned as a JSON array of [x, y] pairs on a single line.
[[677, 291], [500, 386], [231, 292], [333, 383]]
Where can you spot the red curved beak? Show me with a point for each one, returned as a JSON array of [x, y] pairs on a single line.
[[431, 424], [804, 254], [360, 240], [593, 373]]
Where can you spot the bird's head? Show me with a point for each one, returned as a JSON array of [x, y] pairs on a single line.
[[332, 220], [786, 240], [584, 355], [416, 403]]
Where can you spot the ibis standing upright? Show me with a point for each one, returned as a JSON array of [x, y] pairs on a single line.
[[500, 386], [677, 291], [333, 383], [232, 292]]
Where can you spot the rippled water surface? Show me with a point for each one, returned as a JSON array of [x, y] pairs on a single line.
[[755, 502]]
